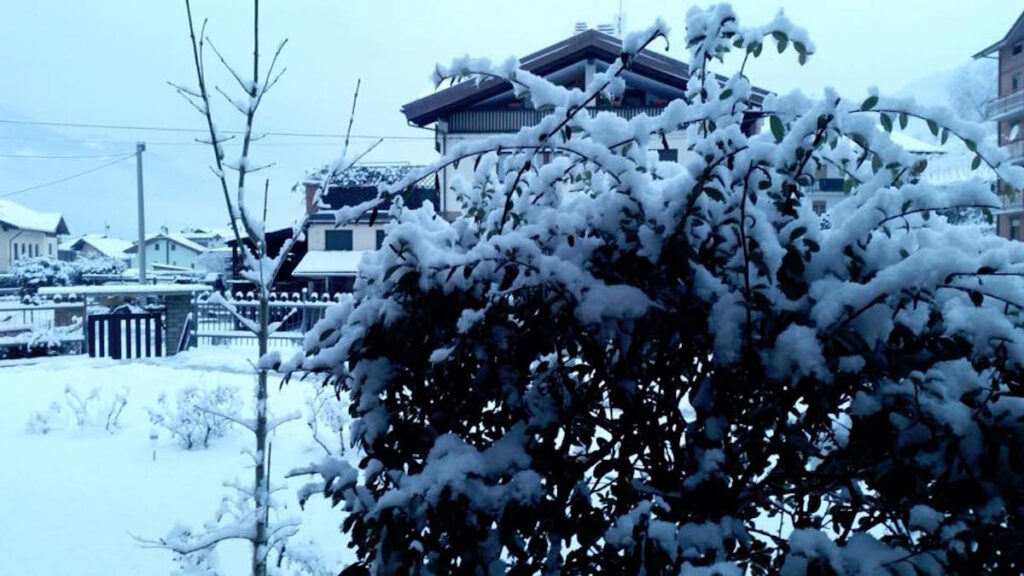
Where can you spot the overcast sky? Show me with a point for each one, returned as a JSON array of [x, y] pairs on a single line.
[[108, 62]]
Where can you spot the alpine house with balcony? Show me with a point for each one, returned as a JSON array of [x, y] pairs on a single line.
[[334, 250], [472, 110], [1007, 110]]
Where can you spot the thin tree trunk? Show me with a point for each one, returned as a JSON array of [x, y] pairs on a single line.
[[260, 481]]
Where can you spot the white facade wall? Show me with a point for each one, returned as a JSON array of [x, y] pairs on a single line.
[[162, 251], [16, 244], [363, 237]]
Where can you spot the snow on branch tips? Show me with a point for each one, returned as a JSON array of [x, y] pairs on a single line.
[[613, 363]]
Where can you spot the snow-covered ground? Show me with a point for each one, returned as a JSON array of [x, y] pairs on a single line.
[[73, 500]]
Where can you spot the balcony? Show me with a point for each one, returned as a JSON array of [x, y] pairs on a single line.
[[498, 120], [1005, 107]]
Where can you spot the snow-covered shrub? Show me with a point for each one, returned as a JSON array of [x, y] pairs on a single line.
[[45, 421], [94, 410], [82, 267], [30, 274], [609, 364], [199, 414], [327, 418]]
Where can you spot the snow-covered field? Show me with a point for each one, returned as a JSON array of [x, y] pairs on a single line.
[[73, 500]]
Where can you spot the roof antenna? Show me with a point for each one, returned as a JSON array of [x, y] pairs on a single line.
[[618, 20]]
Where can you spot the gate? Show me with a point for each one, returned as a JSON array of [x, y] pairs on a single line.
[[125, 335]]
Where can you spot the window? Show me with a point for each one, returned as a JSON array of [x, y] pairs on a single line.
[[49, 249], [380, 238], [1015, 228], [1016, 82], [156, 246], [24, 248], [1018, 48], [819, 207], [670, 155], [173, 246], [338, 239], [35, 249]]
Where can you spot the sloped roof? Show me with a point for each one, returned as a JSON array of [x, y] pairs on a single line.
[[368, 175], [110, 247], [179, 239], [1014, 32], [582, 46], [18, 216]]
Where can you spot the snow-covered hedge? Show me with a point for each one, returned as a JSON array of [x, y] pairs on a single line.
[[31, 274], [610, 364]]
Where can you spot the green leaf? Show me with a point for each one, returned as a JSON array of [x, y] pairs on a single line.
[[756, 49], [934, 127], [977, 297], [945, 135], [848, 185], [904, 119], [869, 103], [714, 194], [797, 232], [876, 163], [799, 47], [725, 94], [971, 145], [976, 163], [886, 122], [778, 129]]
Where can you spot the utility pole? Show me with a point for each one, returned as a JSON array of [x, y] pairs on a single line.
[[140, 251]]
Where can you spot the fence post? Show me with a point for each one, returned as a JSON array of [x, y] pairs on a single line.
[[85, 326]]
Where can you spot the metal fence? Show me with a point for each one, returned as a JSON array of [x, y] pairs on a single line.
[[297, 313], [42, 323]]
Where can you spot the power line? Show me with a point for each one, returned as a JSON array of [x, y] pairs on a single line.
[[201, 131], [69, 177], [56, 157]]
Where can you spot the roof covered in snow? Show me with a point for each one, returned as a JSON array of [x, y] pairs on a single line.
[[329, 263], [178, 239], [369, 176], [15, 215], [110, 247], [124, 289], [591, 44]]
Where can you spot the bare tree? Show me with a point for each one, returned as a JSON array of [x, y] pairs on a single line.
[[248, 518]]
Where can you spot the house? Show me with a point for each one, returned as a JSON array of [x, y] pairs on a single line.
[[1007, 110], [828, 186], [475, 110], [25, 233], [333, 254], [209, 237], [165, 249], [97, 246], [285, 281]]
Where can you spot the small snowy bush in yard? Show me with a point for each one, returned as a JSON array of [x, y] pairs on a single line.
[[92, 410], [198, 416], [610, 364]]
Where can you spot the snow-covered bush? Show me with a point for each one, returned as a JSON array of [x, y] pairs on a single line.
[[30, 274], [199, 414], [94, 410], [45, 421], [610, 364], [83, 267]]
